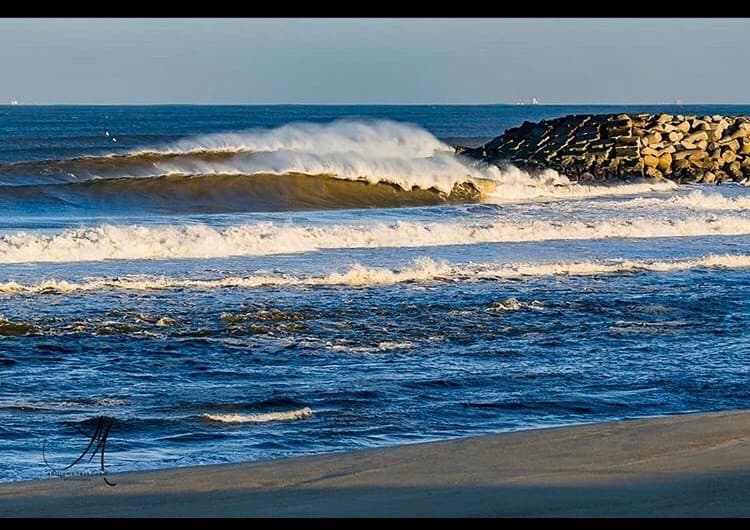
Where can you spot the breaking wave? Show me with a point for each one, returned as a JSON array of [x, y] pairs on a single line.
[[178, 194], [297, 166], [421, 270], [299, 414], [199, 241]]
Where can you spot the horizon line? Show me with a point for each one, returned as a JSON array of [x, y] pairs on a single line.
[[673, 104]]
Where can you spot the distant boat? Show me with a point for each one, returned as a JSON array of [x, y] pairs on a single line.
[[534, 101], [14, 102]]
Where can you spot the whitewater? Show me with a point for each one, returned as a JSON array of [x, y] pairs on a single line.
[[110, 242], [421, 270]]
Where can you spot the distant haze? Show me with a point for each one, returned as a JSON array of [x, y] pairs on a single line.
[[307, 61]]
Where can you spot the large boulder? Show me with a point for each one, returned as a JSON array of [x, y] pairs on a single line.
[[617, 146]]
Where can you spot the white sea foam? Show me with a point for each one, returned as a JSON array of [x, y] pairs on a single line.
[[379, 347], [260, 418], [385, 137], [587, 268], [695, 200], [421, 270], [108, 242], [513, 304], [375, 151]]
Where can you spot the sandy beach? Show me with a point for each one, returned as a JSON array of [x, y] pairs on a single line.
[[687, 465]]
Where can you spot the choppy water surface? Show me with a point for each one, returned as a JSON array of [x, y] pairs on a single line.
[[236, 283]]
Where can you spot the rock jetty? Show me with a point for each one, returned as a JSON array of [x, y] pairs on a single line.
[[597, 147]]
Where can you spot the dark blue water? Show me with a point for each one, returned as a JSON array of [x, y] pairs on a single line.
[[214, 329], [51, 132]]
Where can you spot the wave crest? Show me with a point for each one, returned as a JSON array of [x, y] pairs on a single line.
[[358, 275], [199, 241], [299, 414], [242, 172], [695, 200]]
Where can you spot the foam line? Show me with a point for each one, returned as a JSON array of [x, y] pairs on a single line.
[[358, 275], [109, 242]]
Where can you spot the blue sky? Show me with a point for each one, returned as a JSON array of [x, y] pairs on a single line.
[[374, 60]]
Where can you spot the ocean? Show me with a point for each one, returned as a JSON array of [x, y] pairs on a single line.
[[234, 283]]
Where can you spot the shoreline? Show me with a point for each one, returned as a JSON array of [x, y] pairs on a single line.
[[682, 465]]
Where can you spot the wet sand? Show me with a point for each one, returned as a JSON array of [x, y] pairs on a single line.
[[686, 465]]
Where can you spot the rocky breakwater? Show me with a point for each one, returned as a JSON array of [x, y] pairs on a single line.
[[599, 147]]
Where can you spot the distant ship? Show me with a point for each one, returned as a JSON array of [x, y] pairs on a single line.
[[14, 102], [534, 101]]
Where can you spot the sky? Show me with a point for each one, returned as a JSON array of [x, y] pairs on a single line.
[[378, 61]]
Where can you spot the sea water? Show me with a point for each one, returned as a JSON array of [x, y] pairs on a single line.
[[242, 283]]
